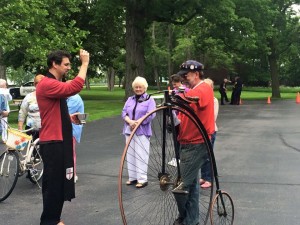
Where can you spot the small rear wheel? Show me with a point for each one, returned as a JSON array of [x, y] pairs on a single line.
[[9, 173], [36, 169], [222, 212]]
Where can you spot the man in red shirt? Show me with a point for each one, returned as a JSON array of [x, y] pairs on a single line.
[[56, 133], [193, 150]]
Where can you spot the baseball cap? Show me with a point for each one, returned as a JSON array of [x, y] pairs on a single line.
[[190, 66]]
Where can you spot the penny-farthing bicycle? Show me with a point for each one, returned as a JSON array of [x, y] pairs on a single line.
[[155, 204]]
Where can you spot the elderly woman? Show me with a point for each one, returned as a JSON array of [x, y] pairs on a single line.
[[29, 112], [132, 113]]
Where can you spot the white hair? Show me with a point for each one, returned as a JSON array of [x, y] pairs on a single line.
[[140, 80], [209, 82], [2, 83]]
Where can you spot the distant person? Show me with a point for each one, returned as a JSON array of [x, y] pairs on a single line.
[[7, 97], [236, 91], [206, 176], [132, 113], [56, 143], [29, 112], [223, 91], [75, 105], [232, 99]]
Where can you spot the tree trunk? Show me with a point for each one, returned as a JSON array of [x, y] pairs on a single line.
[[135, 35], [87, 84], [111, 79], [157, 80], [170, 47], [120, 76], [2, 66], [274, 70]]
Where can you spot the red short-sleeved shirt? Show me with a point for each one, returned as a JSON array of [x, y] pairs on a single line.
[[188, 133]]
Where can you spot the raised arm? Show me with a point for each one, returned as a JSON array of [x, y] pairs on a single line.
[[85, 59]]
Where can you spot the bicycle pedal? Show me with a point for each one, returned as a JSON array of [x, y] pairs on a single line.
[[33, 172], [173, 162], [183, 192], [180, 189]]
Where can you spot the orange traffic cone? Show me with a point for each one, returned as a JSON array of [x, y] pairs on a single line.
[[269, 100], [298, 98]]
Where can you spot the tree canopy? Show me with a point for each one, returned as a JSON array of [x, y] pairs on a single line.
[[256, 39], [29, 29]]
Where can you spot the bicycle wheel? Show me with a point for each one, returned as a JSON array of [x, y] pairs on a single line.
[[9, 173], [36, 165], [222, 213], [155, 203]]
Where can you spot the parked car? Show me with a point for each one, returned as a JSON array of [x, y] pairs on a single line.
[[15, 92], [23, 90], [27, 88]]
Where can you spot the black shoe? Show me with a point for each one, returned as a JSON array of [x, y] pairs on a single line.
[[131, 182], [178, 221], [141, 185]]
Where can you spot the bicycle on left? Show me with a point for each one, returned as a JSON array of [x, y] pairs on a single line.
[[21, 156]]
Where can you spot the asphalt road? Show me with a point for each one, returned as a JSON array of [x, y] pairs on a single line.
[[258, 157]]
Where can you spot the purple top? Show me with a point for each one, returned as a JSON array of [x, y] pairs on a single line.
[[176, 90], [141, 109]]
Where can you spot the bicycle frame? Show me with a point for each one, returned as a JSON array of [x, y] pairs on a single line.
[[25, 158]]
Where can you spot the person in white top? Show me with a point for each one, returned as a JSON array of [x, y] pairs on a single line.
[[5, 92], [29, 112], [206, 178]]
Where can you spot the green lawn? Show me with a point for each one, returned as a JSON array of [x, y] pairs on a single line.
[[100, 103]]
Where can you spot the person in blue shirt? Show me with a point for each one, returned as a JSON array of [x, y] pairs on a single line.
[[3, 108], [75, 105]]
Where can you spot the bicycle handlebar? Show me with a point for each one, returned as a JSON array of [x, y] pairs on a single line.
[[192, 99], [149, 95], [183, 97], [23, 131]]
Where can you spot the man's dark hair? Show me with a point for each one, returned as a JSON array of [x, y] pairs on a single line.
[[56, 57]]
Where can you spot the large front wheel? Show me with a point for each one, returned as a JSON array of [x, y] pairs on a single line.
[[154, 160], [9, 173]]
